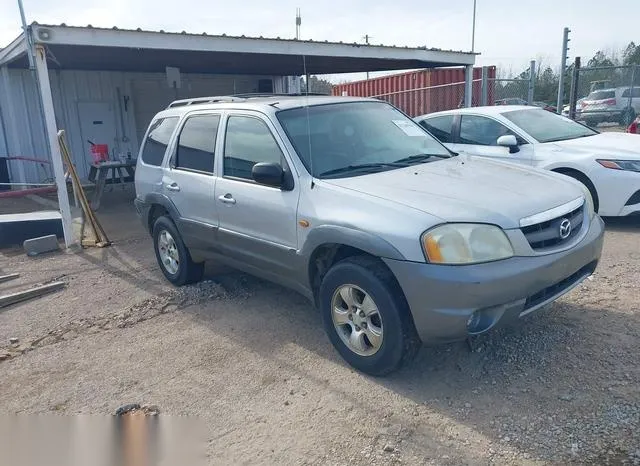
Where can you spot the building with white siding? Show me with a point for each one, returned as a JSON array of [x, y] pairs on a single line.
[[106, 84]]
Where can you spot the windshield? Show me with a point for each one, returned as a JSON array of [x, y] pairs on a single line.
[[601, 95], [546, 126], [353, 138]]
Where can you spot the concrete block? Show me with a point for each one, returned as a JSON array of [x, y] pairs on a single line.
[[16, 228], [36, 246]]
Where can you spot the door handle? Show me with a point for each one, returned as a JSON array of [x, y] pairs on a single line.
[[172, 187], [227, 199]]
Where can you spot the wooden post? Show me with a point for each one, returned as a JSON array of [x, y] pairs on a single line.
[[52, 136]]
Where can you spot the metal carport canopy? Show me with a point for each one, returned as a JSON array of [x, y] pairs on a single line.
[[89, 48]]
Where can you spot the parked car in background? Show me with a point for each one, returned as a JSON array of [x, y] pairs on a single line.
[[566, 108], [608, 164], [546, 106], [512, 101], [395, 239], [620, 105]]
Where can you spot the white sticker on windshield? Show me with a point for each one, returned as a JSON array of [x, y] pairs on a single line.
[[408, 128]]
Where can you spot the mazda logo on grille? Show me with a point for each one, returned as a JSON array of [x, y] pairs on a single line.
[[565, 228]]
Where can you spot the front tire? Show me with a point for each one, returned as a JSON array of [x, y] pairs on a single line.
[[173, 256], [366, 316]]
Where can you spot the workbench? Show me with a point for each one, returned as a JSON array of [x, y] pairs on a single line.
[[99, 172]]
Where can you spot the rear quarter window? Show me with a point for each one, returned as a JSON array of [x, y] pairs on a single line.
[[155, 145]]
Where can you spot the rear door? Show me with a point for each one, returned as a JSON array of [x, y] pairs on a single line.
[[257, 223], [478, 135], [189, 179]]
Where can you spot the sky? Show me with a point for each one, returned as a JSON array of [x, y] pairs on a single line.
[[509, 33]]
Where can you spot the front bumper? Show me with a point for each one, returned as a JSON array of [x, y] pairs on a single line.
[[442, 299], [617, 191]]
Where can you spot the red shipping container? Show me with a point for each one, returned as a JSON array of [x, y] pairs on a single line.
[[422, 91]]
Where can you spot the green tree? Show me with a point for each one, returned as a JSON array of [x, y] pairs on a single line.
[[631, 54], [317, 85]]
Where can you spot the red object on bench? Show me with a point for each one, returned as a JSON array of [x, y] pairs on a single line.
[[100, 153]]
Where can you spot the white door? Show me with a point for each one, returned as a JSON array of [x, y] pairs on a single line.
[[478, 135], [98, 125]]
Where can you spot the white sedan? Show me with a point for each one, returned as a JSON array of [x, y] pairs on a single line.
[[607, 163]]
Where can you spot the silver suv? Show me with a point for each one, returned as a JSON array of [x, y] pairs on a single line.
[[396, 240], [619, 105]]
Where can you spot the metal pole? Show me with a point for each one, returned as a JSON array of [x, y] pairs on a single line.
[[473, 30], [532, 81], [485, 86], [27, 36], [563, 69], [366, 40], [574, 89], [468, 86], [52, 137]]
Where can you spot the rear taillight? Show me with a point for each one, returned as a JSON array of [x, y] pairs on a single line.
[[609, 102]]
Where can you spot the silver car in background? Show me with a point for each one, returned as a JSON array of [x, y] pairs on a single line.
[[395, 239]]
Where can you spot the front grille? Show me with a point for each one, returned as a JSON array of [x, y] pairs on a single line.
[[553, 290], [547, 234]]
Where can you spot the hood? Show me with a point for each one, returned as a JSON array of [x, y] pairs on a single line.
[[468, 189], [619, 145]]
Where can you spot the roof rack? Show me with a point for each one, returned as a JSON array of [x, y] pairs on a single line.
[[204, 100], [235, 98]]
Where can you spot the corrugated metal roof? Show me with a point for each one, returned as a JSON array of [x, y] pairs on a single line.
[[309, 41]]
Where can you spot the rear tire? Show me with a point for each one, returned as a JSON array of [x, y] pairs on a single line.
[[385, 338], [172, 255]]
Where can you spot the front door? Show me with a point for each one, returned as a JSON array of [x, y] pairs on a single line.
[[257, 224], [478, 135], [189, 179], [98, 125]]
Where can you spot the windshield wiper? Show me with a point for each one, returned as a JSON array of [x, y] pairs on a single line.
[[372, 167], [419, 158]]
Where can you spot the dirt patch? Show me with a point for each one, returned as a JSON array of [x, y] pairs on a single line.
[[251, 360]]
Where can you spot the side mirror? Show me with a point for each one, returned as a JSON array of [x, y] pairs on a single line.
[[269, 174], [510, 141]]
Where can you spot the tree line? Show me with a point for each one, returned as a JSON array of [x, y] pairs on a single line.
[[547, 79]]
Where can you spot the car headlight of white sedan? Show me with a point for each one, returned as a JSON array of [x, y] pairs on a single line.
[[627, 165], [465, 243]]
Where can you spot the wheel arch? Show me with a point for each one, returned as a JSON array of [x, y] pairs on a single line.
[[583, 178], [159, 205], [330, 244]]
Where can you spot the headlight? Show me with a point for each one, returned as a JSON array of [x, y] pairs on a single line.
[[465, 243], [628, 165], [588, 201]]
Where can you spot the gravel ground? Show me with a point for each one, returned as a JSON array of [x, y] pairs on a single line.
[[250, 359]]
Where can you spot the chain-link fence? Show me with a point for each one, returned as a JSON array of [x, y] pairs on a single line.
[[428, 91], [510, 91], [606, 96]]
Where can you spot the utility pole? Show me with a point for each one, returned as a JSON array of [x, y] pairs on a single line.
[[366, 41], [563, 69], [298, 23], [473, 30], [27, 36]]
